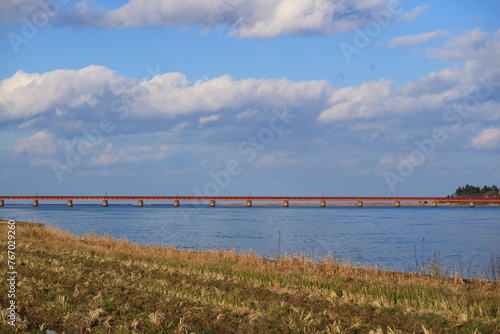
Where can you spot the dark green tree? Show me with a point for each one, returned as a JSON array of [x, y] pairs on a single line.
[[473, 191]]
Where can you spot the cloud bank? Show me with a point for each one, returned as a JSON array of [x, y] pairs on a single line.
[[97, 90], [254, 19], [477, 83], [171, 120], [244, 18], [27, 100]]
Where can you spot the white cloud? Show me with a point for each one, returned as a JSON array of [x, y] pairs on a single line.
[[247, 113], [387, 163], [488, 139], [412, 15], [278, 160], [253, 19], [478, 79], [164, 98], [409, 41], [180, 126], [41, 143], [134, 154], [472, 45], [95, 91], [450, 86], [26, 95], [369, 100], [17, 10], [207, 119], [350, 163]]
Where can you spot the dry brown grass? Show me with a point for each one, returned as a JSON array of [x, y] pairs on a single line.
[[103, 285]]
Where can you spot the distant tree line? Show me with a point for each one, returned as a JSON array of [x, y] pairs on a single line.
[[472, 191]]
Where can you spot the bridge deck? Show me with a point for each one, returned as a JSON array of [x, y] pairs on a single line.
[[251, 198]]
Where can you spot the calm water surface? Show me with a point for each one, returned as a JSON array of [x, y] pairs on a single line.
[[392, 238]]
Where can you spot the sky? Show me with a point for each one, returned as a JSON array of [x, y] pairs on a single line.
[[232, 97]]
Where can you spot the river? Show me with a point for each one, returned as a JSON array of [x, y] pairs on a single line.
[[462, 240]]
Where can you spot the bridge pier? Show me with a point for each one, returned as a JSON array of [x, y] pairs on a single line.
[[397, 204], [249, 203], [140, 203], [471, 204], [212, 203], [70, 202], [35, 202], [104, 203], [176, 203], [360, 204], [1, 202], [434, 204], [286, 204], [322, 204]]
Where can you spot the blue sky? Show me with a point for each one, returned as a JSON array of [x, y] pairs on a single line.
[[223, 97]]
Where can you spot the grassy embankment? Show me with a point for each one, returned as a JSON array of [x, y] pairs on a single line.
[[102, 285]]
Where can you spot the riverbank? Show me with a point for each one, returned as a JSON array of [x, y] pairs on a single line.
[[104, 285]]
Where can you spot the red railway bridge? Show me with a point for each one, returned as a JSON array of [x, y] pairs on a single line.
[[248, 200]]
